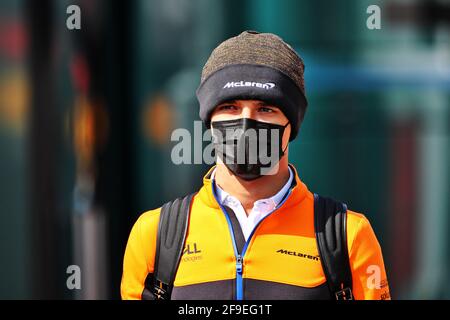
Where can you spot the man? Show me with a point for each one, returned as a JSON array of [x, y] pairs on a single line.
[[251, 231]]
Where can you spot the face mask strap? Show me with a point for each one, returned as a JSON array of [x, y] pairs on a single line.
[[284, 151]]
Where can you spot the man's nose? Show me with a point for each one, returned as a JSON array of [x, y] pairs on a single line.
[[247, 112]]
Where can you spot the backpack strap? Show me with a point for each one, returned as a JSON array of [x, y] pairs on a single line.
[[173, 223], [330, 224]]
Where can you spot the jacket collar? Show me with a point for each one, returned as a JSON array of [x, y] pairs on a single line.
[[296, 194]]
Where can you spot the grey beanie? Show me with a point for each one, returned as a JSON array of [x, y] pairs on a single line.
[[254, 66]]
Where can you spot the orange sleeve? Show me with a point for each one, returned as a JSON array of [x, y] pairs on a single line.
[[366, 260], [139, 255]]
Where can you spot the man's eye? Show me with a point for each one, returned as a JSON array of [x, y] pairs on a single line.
[[227, 107], [265, 109]]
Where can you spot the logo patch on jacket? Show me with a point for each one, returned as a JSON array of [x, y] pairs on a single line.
[[298, 254], [191, 252]]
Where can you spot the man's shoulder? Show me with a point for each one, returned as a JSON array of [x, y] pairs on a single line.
[[355, 217], [359, 229], [148, 219], [355, 220]]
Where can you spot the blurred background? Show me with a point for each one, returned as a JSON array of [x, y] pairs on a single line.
[[86, 117]]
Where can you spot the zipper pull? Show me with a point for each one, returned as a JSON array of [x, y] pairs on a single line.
[[239, 264]]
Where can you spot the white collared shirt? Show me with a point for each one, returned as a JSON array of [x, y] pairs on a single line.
[[261, 208]]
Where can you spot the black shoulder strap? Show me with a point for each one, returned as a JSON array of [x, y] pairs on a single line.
[[173, 222], [330, 223]]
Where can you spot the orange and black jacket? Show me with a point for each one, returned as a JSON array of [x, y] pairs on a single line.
[[280, 260]]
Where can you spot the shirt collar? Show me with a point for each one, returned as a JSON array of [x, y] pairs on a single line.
[[271, 203]]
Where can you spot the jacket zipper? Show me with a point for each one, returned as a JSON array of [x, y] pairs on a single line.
[[240, 257], [239, 281]]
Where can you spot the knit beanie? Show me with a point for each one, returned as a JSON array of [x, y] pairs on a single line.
[[254, 66]]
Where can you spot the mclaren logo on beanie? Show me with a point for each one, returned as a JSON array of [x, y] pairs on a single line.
[[267, 85]]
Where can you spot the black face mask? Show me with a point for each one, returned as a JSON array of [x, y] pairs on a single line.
[[249, 154]]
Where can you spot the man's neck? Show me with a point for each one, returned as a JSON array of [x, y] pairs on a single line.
[[247, 192]]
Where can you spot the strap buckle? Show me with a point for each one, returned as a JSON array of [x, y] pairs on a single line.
[[161, 290], [344, 294]]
